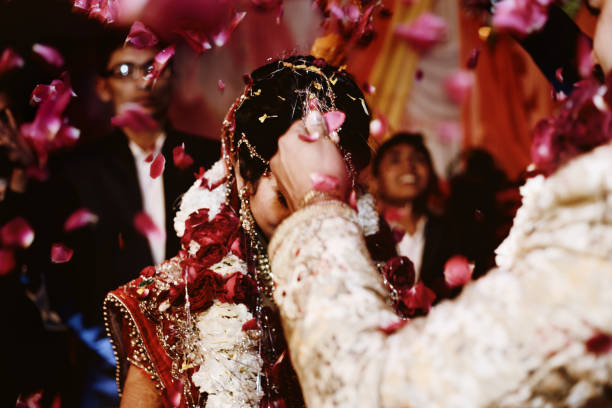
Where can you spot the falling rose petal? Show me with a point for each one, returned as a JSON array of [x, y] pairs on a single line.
[[419, 297], [49, 54], [220, 39], [60, 253], [7, 261], [10, 60], [369, 89], [221, 85], [149, 157], [17, 232], [425, 32], [473, 59], [458, 271], [134, 117], [324, 182], [81, 4], [309, 137], [105, 11], [520, 17], [393, 327], [459, 85], [181, 159], [559, 74], [160, 62], [196, 39], [145, 225], [449, 132], [66, 136], [250, 325], [378, 128], [79, 219], [584, 56], [141, 36], [600, 343], [334, 120], [157, 166], [418, 74]]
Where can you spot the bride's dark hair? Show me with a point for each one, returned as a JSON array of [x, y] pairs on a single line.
[[279, 94]]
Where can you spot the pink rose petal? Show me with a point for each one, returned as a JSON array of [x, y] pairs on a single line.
[[353, 200], [334, 120], [368, 88], [459, 85], [310, 137], [324, 182], [458, 271], [221, 85], [196, 39], [60, 253], [449, 132], [145, 225], [79, 219], [81, 4], [181, 159], [584, 56], [10, 60], [520, 17], [222, 37], [161, 61], [600, 343], [105, 11], [7, 261], [134, 117], [17, 232], [141, 36], [425, 32], [157, 166], [49, 54], [378, 127]]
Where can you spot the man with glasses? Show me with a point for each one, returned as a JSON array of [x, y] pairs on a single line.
[[111, 178]]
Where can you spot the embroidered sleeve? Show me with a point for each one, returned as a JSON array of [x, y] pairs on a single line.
[[520, 338]]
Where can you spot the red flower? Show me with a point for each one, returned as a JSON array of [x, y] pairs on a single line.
[[221, 230], [206, 284], [211, 253], [148, 272], [239, 288], [416, 301], [399, 272]]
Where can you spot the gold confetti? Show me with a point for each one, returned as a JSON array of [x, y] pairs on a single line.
[[257, 92], [281, 98], [265, 116], [317, 85], [364, 106], [333, 79], [352, 97]]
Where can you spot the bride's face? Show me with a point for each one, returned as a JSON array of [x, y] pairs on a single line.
[[268, 205]]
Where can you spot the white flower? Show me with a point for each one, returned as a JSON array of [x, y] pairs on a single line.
[[367, 214]]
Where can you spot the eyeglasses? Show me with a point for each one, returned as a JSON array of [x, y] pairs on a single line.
[[129, 70]]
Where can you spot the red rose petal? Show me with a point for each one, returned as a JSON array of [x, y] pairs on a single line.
[[60, 253], [196, 39], [17, 232], [600, 343], [106, 11], [49, 54], [250, 325], [353, 200], [149, 157], [79, 219], [324, 182], [334, 120], [584, 56], [81, 4], [459, 85], [10, 60], [221, 38], [473, 59], [7, 261], [145, 225], [425, 32], [181, 159], [160, 62], [141, 36], [220, 85], [419, 297], [458, 271], [418, 74], [393, 327], [134, 117], [157, 166]]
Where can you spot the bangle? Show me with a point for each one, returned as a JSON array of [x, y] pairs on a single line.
[[315, 196]]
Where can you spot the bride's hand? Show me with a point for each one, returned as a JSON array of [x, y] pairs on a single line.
[[307, 160]]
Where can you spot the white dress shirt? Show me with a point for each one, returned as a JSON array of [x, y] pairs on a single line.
[[412, 246], [152, 193]]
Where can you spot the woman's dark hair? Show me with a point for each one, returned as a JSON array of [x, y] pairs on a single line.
[[415, 140], [279, 96]]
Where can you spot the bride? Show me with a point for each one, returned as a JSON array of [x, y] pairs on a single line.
[[202, 328]]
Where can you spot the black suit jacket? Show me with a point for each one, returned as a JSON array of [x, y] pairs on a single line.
[[102, 177]]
